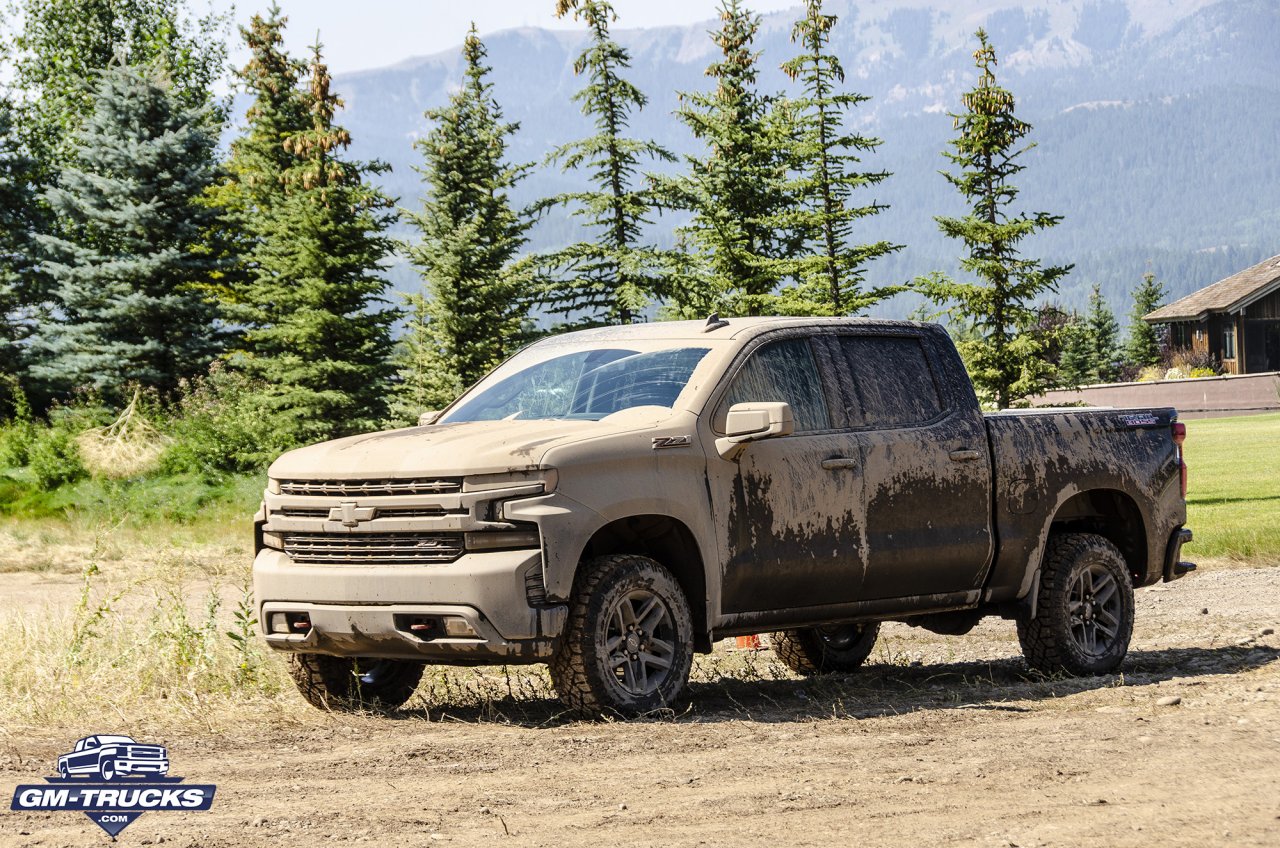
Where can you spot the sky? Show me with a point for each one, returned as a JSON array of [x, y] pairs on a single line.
[[376, 33]]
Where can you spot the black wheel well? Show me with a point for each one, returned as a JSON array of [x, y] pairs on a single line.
[[1114, 516], [670, 542]]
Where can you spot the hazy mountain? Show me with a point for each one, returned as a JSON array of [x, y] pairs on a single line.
[[1156, 121]]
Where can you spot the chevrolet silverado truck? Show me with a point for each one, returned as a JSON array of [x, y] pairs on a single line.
[[613, 500]]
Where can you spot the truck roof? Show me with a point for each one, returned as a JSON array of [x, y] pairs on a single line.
[[729, 328]]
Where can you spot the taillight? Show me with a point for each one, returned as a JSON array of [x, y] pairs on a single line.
[[1179, 436]]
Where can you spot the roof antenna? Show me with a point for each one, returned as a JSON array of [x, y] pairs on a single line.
[[714, 322]]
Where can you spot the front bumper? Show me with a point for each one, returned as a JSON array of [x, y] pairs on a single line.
[[364, 610]]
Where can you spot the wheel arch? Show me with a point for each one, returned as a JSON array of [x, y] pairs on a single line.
[[1113, 515], [669, 541]]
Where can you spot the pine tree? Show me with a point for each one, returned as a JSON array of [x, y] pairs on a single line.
[[313, 329], [470, 236], [1076, 365], [1103, 334], [1143, 347], [424, 383], [611, 279], [126, 275], [736, 189], [1007, 362], [63, 43], [825, 156], [20, 288]]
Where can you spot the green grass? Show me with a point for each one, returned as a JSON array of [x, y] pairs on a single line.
[[1233, 502], [181, 510]]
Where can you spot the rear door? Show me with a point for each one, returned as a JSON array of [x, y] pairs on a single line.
[[925, 469]]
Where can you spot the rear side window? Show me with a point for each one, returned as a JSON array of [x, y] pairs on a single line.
[[782, 371], [892, 386]]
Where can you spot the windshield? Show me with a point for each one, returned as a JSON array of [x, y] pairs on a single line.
[[566, 381]]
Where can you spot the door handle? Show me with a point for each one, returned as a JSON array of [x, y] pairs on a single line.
[[964, 455], [838, 462]]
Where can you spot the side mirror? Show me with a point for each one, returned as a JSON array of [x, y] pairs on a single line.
[[750, 422], [428, 417]]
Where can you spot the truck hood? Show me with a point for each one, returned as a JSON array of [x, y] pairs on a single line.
[[445, 450]]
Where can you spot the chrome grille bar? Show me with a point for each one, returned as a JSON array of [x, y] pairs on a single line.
[[373, 547], [370, 488]]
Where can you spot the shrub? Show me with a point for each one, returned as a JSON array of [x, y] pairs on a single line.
[[53, 457], [224, 423]]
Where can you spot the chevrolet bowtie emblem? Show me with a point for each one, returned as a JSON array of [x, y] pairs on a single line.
[[350, 514]]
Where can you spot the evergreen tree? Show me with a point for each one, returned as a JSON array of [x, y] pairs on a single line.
[[255, 169], [252, 190], [1143, 347], [736, 189], [18, 289], [127, 272], [611, 279], [1007, 362], [470, 236], [1076, 365], [1103, 334], [423, 381], [313, 330], [63, 43], [825, 157]]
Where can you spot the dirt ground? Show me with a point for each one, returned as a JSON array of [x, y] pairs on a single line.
[[939, 741]]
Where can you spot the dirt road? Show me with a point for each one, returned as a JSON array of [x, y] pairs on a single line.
[[965, 748]]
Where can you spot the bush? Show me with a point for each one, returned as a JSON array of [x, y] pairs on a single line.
[[224, 423], [53, 458]]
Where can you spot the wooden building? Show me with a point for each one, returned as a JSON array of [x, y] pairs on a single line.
[[1236, 320]]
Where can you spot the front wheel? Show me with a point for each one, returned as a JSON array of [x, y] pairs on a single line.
[[352, 683], [826, 648], [628, 645], [1084, 616]]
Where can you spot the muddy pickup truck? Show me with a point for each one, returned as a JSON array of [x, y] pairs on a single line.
[[611, 501]]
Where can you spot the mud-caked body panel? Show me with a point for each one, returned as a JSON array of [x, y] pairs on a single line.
[[1066, 468]]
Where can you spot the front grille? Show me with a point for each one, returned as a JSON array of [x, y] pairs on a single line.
[[368, 488], [373, 547], [304, 512], [416, 511]]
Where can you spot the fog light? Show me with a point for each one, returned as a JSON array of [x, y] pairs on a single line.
[[278, 624], [458, 628]]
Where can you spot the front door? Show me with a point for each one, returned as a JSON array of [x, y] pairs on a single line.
[[787, 506]]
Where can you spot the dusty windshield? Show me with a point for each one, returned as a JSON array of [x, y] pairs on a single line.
[[580, 381]]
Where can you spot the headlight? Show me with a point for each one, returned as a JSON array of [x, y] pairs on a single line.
[[546, 477], [273, 486]]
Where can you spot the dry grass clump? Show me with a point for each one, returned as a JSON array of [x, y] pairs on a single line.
[[127, 447]]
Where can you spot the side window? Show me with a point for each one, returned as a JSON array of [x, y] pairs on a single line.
[[782, 371], [893, 385]]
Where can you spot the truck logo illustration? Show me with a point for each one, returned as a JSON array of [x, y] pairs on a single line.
[[109, 757], [113, 779]]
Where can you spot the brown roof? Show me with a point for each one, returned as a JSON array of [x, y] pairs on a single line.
[[1227, 295]]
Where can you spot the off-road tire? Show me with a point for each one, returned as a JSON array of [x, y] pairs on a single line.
[[354, 683], [1085, 593], [825, 649], [581, 669]]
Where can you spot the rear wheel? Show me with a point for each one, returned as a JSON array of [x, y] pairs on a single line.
[[628, 645], [1084, 612], [352, 683], [826, 648]]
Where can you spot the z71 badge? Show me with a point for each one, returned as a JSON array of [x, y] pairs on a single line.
[[660, 442]]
